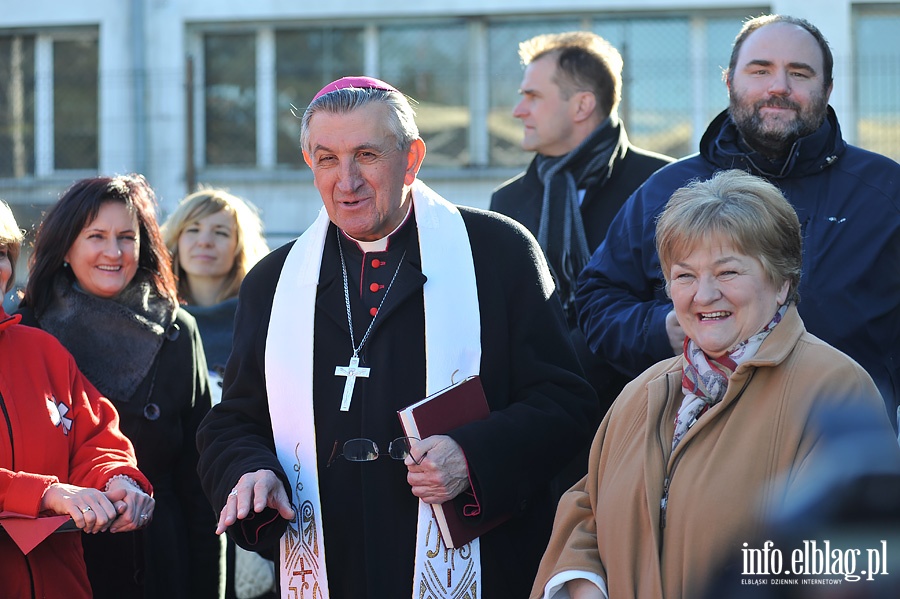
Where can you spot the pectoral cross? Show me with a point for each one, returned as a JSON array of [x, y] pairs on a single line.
[[351, 371]]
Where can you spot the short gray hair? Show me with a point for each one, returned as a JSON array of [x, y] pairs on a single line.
[[402, 116]]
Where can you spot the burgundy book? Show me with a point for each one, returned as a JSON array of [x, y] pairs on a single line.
[[437, 414]]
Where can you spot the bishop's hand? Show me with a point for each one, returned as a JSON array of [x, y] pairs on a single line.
[[441, 472], [257, 491]]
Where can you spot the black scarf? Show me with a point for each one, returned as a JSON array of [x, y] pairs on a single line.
[[114, 341], [561, 231]]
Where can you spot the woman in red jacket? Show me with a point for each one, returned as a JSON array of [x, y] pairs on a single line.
[[61, 452]]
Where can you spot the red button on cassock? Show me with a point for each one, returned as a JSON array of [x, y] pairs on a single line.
[[374, 287], [376, 263], [373, 311]]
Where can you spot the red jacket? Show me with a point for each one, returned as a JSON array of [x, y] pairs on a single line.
[[54, 427]]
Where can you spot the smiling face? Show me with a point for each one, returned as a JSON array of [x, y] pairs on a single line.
[[777, 89], [104, 256], [721, 296], [361, 174], [206, 246]]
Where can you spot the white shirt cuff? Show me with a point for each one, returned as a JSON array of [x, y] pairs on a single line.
[[556, 586]]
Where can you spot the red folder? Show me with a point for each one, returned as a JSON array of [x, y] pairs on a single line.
[[28, 532]]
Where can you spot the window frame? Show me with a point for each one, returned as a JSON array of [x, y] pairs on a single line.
[[44, 88], [479, 101]]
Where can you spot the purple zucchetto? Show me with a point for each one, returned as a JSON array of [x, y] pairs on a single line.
[[358, 82]]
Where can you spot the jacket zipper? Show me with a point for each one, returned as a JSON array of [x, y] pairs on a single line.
[[12, 449], [664, 500], [12, 453], [662, 504]]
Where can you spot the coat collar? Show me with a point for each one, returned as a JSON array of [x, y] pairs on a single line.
[[410, 280], [664, 387], [721, 146]]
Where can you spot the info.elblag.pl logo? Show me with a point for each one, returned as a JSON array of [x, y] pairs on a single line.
[[813, 562]]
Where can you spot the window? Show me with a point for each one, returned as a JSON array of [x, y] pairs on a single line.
[[16, 106], [877, 74], [75, 104], [49, 103], [464, 75], [429, 63], [657, 96], [230, 82], [305, 61]]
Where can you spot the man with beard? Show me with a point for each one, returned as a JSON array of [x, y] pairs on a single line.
[[778, 126]]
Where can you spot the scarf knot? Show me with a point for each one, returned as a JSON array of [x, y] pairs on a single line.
[[704, 380]]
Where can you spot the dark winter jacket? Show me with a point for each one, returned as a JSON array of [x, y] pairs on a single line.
[[521, 198], [848, 202]]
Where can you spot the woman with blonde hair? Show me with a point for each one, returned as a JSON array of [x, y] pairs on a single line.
[[702, 449], [214, 238]]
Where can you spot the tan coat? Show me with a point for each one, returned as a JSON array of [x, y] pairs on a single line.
[[724, 477]]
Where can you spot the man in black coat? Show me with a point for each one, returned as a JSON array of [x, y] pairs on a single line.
[[583, 171], [389, 296]]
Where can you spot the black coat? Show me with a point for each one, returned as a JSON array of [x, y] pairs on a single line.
[[178, 554], [521, 198], [541, 409]]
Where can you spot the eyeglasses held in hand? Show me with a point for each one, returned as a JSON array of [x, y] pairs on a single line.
[[366, 450]]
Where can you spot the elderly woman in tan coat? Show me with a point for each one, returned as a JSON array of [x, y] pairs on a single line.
[[701, 449]]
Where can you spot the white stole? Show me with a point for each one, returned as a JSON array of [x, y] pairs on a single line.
[[452, 351]]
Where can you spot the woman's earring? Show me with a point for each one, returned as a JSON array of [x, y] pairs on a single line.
[[65, 264]]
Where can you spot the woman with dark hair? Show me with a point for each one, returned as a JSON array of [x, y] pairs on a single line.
[[61, 453], [101, 282]]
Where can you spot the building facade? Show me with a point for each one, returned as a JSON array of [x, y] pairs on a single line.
[[209, 91]]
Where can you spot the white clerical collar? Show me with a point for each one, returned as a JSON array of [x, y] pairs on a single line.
[[380, 245]]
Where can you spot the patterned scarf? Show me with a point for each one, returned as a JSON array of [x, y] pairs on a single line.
[[704, 380], [561, 230]]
